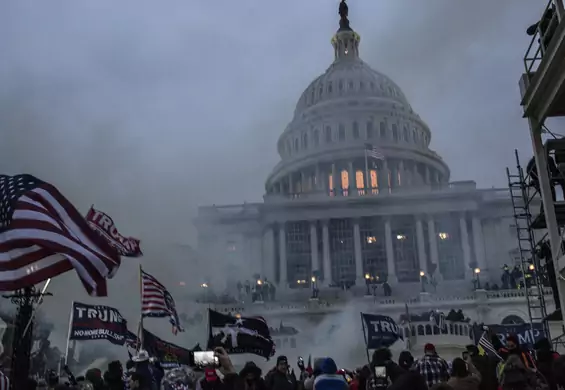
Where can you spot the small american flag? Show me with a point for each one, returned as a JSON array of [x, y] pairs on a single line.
[[156, 301], [371, 151], [43, 235], [487, 348]]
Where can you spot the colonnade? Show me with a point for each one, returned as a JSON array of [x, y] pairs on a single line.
[[325, 258], [353, 177]]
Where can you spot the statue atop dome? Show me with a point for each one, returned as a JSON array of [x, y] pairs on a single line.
[[343, 13]]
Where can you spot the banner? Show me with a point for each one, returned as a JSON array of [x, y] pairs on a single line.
[[380, 331], [104, 225], [526, 337], [97, 322], [168, 354]]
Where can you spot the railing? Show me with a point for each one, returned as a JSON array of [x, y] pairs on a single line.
[[422, 300], [542, 33]]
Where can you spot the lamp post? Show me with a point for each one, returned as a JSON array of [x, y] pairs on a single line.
[[367, 283], [477, 277], [314, 287], [259, 290], [422, 274]]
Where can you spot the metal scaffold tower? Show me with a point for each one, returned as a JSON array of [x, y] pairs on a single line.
[[522, 195]]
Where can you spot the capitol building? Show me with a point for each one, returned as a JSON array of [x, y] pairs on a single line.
[[357, 194]]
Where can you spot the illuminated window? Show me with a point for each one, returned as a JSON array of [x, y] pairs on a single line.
[[331, 184], [344, 182], [371, 239], [398, 178], [374, 181], [359, 180], [443, 236]]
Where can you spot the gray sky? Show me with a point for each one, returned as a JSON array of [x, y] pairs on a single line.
[[148, 109]]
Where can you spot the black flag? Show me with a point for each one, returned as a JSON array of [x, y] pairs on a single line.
[[97, 322], [382, 331], [240, 335]]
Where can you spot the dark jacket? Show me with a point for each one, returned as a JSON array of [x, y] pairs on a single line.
[[409, 379], [487, 368], [276, 380]]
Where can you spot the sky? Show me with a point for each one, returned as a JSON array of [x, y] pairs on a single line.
[[149, 109]]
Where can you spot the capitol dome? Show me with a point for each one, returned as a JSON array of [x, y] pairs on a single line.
[[354, 133]]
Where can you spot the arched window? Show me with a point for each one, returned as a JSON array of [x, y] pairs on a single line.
[[340, 85], [328, 134], [355, 130], [341, 132], [305, 141], [316, 135], [374, 181], [331, 184], [330, 87], [395, 132], [414, 136], [512, 320], [383, 130], [370, 132], [406, 133], [344, 182], [359, 180]]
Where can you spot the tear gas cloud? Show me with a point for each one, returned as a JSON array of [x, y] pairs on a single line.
[[148, 110]]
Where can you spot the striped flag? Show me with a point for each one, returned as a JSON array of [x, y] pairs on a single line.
[[486, 348], [156, 301], [43, 235], [371, 151]]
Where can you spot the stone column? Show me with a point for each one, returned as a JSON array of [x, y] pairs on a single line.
[[283, 282], [352, 182], [416, 176], [479, 243], [268, 254], [421, 246], [290, 185], [359, 281], [390, 254], [432, 236], [465, 247], [314, 246], [326, 248]]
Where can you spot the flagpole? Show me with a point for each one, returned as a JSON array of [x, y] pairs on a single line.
[[140, 325], [367, 179], [71, 316], [409, 328], [365, 337]]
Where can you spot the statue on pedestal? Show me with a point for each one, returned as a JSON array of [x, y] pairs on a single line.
[[343, 13]]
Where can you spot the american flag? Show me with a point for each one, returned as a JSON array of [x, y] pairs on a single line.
[[371, 151], [43, 235], [156, 301], [485, 346]]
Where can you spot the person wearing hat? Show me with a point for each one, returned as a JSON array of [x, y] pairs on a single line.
[[433, 368], [279, 378], [250, 378]]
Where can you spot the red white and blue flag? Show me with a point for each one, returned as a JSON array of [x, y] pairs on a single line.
[[156, 301]]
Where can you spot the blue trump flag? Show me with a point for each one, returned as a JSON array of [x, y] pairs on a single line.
[[380, 331], [526, 336]]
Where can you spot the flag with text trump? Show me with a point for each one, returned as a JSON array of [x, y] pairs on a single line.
[[156, 301], [105, 226], [43, 235]]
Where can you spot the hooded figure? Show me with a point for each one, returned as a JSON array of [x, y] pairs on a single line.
[[250, 378], [329, 379]]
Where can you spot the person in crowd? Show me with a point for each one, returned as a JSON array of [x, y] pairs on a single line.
[[94, 376], [486, 367], [250, 378], [329, 379], [210, 381], [433, 368], [114, 377], [135, 381], [146, 380], [513, 347], [464, 375], [516, 376], [382, 357], [545, 357], [410, 378], [179, 379], [279, 378]]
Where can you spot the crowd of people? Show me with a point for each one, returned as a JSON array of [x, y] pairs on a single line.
[[507, 367]]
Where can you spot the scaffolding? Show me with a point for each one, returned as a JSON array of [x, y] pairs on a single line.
[[522, 196]]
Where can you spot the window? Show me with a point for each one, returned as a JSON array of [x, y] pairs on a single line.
[[374, 182], [328, 134], [395, 132], [340, 85], [361, 86], [344, 182], [414, 136], [350, 85], [383, 130], [305, 141], [296, 144], [331, 184], [316, 135], [355, 130], [320, 90], [341, 132], [298, 252], [406, 133], [370, 133], [359, 180], [330, 87]]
